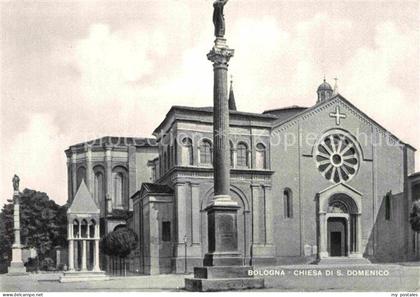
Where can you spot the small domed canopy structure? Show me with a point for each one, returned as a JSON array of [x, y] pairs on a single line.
[[324, 91]]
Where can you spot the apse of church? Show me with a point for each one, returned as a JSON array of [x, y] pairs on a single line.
[[113, 169]]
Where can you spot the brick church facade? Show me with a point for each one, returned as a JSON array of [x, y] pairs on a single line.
[[315, 184]]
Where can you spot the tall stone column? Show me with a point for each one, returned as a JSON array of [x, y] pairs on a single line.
[[16, 265], [220, 56], [222, 211]]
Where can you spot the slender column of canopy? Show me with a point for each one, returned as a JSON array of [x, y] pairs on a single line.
[[71, 246], [96, 260], [84, 266]]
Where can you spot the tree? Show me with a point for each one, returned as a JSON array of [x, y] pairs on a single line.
[[43, 224], [119, 243]]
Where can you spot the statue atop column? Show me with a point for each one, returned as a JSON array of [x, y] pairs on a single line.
[[218, 18], [16, 265], [16, 181]]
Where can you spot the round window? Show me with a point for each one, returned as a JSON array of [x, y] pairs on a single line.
[[336, 158]]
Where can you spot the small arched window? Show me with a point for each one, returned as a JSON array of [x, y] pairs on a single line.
[[242, 155], [388, 207], [92, 228], [81, 175], [118, 189], [98, 189], [288, 203], [187, 151], [205, 152], [260, 156], [75, 228], [83, 228]]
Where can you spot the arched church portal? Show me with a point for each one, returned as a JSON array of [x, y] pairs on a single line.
[[340, 229]]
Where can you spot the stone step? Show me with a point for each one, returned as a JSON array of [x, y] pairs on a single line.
[[210, 272], [223, 284], [343, 261], [80, 276]]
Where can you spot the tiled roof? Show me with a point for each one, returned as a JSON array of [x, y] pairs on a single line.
[[83, 202]]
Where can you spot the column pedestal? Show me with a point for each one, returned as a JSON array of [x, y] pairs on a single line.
[[222, 233]]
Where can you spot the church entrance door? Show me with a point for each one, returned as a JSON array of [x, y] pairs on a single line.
[[337, 236]]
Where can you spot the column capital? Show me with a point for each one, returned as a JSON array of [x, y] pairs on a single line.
[[195, 184], [108, 147], [73, 155], [88, 147], [220, 54]]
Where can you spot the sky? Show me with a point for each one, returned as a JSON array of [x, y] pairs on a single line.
[[73, 71]]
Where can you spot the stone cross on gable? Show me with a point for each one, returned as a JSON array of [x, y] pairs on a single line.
[[337, 115]]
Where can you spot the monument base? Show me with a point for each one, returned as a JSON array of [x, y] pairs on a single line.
[[222, 278], [223, 259], [16, 268], [81, 276]]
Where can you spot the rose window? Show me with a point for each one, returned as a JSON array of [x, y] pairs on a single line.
[[336, 158]]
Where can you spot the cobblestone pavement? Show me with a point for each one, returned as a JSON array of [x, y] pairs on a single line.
[[404, 278]]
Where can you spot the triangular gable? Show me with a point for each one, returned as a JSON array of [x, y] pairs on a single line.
[[341, 187], [337, 98], [83, 202]]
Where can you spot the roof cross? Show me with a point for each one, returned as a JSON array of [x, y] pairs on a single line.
[[337, 115]]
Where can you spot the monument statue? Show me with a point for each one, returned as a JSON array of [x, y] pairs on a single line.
[[15, 181], [218, 18]]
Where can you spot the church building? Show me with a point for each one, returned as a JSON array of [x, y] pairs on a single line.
[[316, 184]]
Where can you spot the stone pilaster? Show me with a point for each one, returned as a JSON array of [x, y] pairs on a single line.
[[195, 212], [132, 173], [69, 178], [323, 253], [108, 178], [74, 171], [89, 169]]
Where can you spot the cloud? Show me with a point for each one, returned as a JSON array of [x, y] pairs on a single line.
[[35, 155], [369, 80]]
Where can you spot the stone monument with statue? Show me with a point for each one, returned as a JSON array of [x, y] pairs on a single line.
[[16, 265], [222, 265]]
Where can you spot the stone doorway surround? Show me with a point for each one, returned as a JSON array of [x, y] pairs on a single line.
[[351, 200]]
